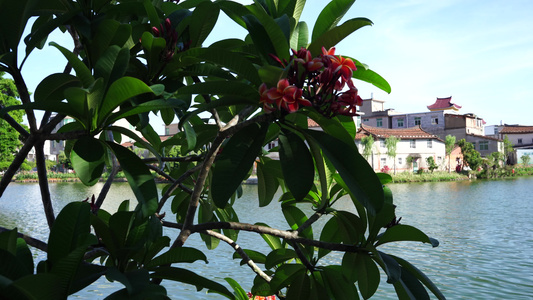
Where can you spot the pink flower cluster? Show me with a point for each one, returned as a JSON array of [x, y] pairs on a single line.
[[324, 82], [170, 35]]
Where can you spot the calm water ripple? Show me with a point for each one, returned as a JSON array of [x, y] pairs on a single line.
[[484, 229]]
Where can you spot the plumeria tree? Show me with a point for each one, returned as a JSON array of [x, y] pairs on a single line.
[[133, 57]]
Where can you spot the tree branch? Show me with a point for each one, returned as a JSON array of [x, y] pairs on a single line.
[[9, 119], [43, 183], [15, 164], [175, 184], [241, 252]]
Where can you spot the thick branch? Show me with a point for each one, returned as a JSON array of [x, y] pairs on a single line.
[[29, 240], [9, 119], [43, 183], [106, 187], [15, 164], [25, 98], [290, 236], [309, 222], [197, 191]]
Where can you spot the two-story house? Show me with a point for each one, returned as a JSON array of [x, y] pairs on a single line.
[[414, 147]]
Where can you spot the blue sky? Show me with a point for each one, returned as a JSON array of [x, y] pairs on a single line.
[[478, 52]]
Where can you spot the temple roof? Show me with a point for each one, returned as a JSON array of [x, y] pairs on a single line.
[[443, 104], [401, 133], [514, 129]]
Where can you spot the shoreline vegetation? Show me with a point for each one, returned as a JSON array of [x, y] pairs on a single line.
[[404, 177]]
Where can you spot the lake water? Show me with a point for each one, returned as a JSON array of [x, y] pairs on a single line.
[[484, 228]]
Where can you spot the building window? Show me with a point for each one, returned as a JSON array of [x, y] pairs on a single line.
[[379, 122], [417, 121], [366, 120], [382, 143], [400, 161], [400, 122], [439, 159], [474, 145], [434, 120], [484, 145], [383, 162], [520, 141], [413, 143], [167, 131], [430, 144]]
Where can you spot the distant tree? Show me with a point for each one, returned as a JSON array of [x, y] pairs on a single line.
[[525, 159], [431, 164], [9, 137], [470, 155], [391, 142], [450, 144], [368, 143], [507, 148]]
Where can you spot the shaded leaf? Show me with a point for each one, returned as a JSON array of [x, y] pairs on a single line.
[[87, 157]]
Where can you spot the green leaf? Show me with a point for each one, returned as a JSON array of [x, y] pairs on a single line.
[[405, 233], [368, 275], [285, 274], [273, 242], [300, 288], [87, 157], [52, 88], [409, 284], [279, 256], [82, 72], [260, 37], [120, 91], [373, 78], [71, 230], [139, 178], [239, 291], [384, 178], [177, 255], [189, 277], [222, 88], [235, 162], [112, 64], [257, 257], [330, 16], [296, 218], [267, 185], [353, 168], [203, 20], [329, 234], [337, 285], [297, 164], [389, 265], [351, 228], [334, 35], [406, 266], [300, 36]]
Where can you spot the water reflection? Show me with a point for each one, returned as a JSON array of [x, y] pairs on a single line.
[[484, 229]]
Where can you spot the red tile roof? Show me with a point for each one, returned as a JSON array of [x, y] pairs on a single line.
[[514, 129], [311, 123], [442, 104], [401, 133]]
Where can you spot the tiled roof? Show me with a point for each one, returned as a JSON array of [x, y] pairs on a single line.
[[401, 133], [513, 129], [311, 123], [484, 137], [443, 103]]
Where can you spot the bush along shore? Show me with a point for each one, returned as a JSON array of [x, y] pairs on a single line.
[[489, 173]]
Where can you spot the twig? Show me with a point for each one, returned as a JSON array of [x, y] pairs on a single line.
[[15, 164], [241, 252], [175, 184]]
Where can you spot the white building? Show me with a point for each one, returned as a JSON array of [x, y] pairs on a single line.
[[414, 147]]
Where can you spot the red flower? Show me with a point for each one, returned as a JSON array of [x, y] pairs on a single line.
[[303, 56], [286, 96], [343, 65], [267, 102]]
